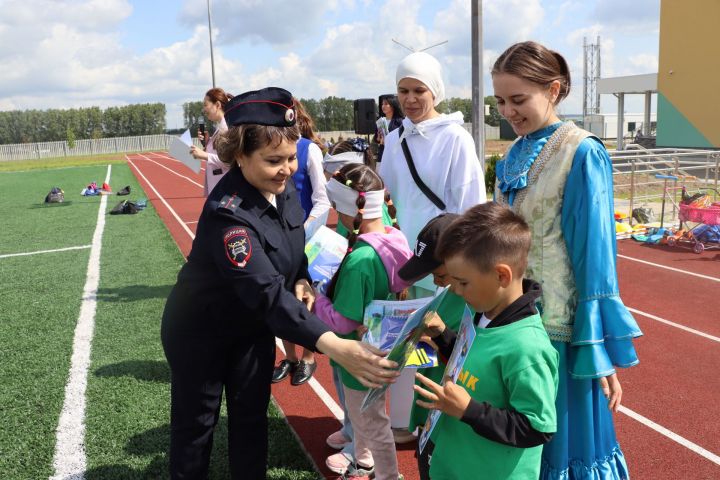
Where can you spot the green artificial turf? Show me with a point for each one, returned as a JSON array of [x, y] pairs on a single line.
[[128, 390]]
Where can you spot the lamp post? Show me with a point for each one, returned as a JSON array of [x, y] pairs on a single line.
[[212, 55]]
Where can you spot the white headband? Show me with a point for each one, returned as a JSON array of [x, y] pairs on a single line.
[[345, 200]]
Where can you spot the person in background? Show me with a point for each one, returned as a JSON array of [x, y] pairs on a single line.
[[310, 185], [444, 158], [245, 282], [214, 109], [558, 177], [392, 117]]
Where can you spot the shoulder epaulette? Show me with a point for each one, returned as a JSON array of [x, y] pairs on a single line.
[[229, 203]]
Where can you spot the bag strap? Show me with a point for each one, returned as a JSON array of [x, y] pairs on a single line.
[[413, 171]]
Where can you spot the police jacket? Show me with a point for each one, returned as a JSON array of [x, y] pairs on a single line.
[[245, 260]]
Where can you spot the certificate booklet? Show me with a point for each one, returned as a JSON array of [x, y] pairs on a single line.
[[466, 335], [180, 150], [325, 251], [406, 341]]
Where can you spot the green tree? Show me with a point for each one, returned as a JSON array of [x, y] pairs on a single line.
[[70, 137], [494, 117]]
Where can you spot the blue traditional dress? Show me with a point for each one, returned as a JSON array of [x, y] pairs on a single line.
[[559, 179]]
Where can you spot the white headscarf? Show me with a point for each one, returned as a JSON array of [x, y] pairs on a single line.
[[345, 200], [424, 67]]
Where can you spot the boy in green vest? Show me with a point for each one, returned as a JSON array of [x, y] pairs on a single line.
[[502, 408]]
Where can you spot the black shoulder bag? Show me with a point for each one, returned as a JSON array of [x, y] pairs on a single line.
[[413, 171]]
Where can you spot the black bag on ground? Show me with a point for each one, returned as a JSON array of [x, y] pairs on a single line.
[[56, 195], [643, 215], [124, 191], [124, 207]]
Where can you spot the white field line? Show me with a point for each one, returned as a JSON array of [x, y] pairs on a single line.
[[160, 154], [171, 170], [706, 277], [329, 402], [671, 435], [174, 214], [676, 325], [70, 460], [81, 247]]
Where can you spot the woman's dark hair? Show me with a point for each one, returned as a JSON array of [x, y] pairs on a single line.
[[307, 124], [535, 63], [362, 179], [219, 95], [394, 103], [245, 139]]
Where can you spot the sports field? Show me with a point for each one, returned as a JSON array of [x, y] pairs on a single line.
[[75, 278]]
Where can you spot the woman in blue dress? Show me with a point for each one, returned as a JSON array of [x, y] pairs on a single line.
[[559, 178]]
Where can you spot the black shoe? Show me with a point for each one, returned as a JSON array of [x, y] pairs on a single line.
[[303, 372], [283, 369]]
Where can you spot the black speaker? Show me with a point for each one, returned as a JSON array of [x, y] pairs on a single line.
[[364, 116]]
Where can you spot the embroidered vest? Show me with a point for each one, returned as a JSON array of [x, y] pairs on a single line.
[[540, 204]]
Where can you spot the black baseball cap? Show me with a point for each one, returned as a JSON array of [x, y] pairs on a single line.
[[423, 261], [270, 106]]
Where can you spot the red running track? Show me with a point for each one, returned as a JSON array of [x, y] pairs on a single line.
[[674, 389]]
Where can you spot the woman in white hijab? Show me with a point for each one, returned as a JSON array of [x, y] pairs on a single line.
[[448, 179], [443, 153]]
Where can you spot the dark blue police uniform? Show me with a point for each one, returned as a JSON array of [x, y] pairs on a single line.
[[232, 297]]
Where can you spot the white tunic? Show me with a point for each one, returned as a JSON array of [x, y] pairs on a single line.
[[446, 161]]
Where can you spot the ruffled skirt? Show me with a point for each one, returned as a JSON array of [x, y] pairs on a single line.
[[584, 447]]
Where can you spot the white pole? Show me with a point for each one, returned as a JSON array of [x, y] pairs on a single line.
[[478, 99], [212, 55]]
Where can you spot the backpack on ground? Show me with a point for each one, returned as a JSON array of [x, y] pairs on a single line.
[[56, 195], [124, 207]]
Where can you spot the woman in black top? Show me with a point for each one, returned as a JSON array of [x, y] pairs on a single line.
[[244, 283]]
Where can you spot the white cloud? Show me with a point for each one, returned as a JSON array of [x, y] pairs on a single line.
[[277, 22]]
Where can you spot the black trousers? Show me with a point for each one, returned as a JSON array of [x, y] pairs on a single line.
[[207, 356]]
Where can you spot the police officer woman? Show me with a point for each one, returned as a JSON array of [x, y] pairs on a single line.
[[246, 281]]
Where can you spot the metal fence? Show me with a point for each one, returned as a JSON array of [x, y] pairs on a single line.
[[29, 151], [636, 184]]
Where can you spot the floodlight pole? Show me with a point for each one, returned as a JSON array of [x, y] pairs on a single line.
[[212, 55], [478, 100]]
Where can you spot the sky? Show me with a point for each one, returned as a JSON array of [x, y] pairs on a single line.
[[82, 53]]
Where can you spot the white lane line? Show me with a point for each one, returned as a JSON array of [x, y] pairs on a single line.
[[174, 214], [70, 459], [190, 223], [81, 247], [171, 170], [676, 325], [671, 435], [706, 277], [329, 402], [160, 154]]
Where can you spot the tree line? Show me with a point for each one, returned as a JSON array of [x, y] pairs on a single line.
[[30, 126], [336, 113]]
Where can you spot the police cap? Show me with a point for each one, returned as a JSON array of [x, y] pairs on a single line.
[[271, 106]]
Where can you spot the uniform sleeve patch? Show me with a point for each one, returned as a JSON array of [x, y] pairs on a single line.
[[238, 247]]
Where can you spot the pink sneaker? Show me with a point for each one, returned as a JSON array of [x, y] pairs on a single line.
[[337, 440], [339, 462]]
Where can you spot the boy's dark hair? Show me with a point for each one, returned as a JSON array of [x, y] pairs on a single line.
[[486, 235]]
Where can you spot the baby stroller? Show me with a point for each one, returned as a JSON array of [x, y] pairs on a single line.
[[698, 209]]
